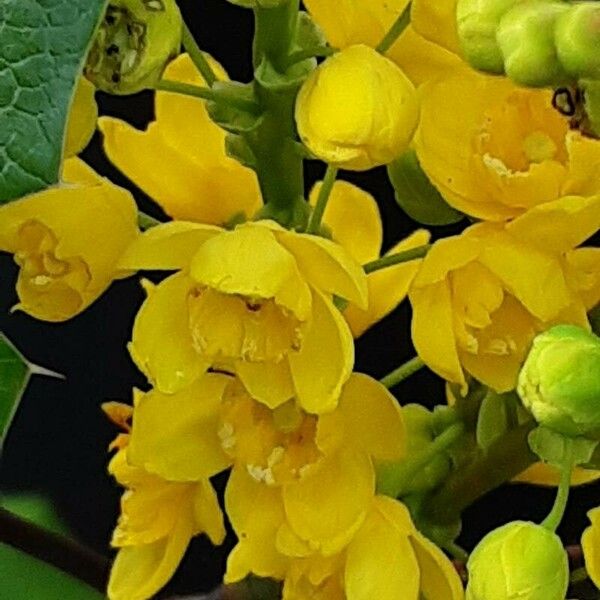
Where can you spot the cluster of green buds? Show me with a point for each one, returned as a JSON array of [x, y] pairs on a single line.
[[518, 560], [135, 41], [559, 382], [538, 43]]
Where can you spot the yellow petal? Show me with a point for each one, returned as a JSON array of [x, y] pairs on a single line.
[[77, 171], [543, 474], [436, 22], [161, 345], [501, 347], [583, 274], [353, 217], [527, 273], [175, 435], [368, 417], [381, 563], [250, 262], [207, 513], [421, 59], [185, 188], [328, 504], [327, 266], [83, 114], [439, 579], [256, 512], [268, 382], [560, 225], [433, 331], [590, 541], [170, 246], [204, 140], [325, 360], [387, 287], [140, 571], [584, 157], [62, 273]]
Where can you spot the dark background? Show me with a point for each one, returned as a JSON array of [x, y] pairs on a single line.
[[57, 445]]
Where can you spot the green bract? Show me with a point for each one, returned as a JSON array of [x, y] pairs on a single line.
[[525, 36], [477, 21], [560, 380], [136, 40], [518, 561], [578, 40]]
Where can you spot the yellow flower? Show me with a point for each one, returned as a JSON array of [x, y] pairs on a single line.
[[353, 217], [479, 298], [427, 47], [67, 241], [158, 519], [82, 118], [495, 150], [318, 472], [590, 541], [180, 160], [357, 110], [257, 301]]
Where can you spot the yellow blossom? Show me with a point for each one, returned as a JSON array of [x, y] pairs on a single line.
[[257, 301], [82, 118], [353, 217], [495, 150], [590, 541], [357, 110], [158, 519], [50, 234], [479, 298], [427, 47], [180, 159]]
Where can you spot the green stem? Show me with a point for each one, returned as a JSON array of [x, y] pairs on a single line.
[[216, 95], [402, 372], [456, 551], [395, 259], [399, 484], [198, 57], [145, 221], [552, 521], [314, 224], [274, 33], [395, 31], [306, 53], [508, 456]]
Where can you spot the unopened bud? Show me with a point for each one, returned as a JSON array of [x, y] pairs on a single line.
[[134, 43]]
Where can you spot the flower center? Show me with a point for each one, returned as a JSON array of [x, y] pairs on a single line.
[[227, 326], [276, 446]]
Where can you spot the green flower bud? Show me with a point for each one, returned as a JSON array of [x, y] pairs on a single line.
[[476, 22], [560, 381], [578, 40], [525, 35], [135, 41], [518, 561]]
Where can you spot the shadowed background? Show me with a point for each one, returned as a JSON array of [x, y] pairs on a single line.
[[57, 445]]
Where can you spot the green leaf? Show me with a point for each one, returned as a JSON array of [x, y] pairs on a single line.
[[42, 47], [15, 371], [35, 508], [552, 447], [14, 374], [416, 195], [25, 577]]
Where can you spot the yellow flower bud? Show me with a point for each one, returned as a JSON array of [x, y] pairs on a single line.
[[357, 110], [67, 241], [135, 41]]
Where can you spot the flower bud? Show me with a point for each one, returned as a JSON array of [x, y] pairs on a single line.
[[357, 110], [135, 41], [525, 36], [578, 39], [477, 21], [560, 380], [518, 560]]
